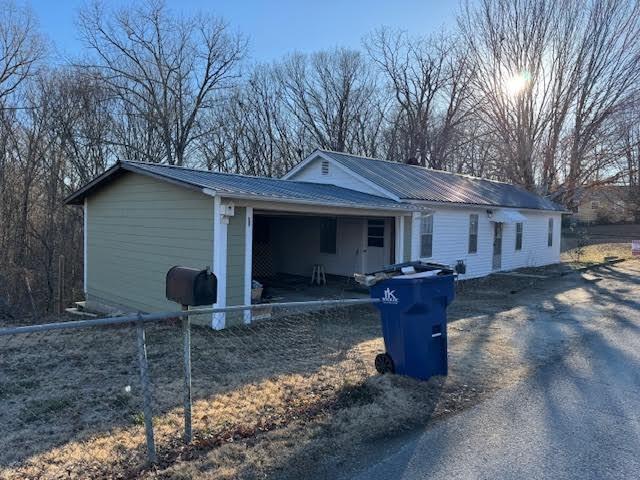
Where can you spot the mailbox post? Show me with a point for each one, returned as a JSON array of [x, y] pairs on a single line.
[[186, 336], [190, 288]]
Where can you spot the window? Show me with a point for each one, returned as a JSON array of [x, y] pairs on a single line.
[[550, 233], [328, 235], [473, 233], [426, 235], [375, 233], [519, 236], [325, 167]]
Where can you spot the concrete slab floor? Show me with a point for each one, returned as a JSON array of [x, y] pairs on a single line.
[[295, 288]]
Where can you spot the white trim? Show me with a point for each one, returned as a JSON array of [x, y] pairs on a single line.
[[396, 240], [318, 209], [364, 259], [248, 260], [399, 239], [218, 320], [404, 207], [466, 206], [84, 247], [415, 236], [315, 154]]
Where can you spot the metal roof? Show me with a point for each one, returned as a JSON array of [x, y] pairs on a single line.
[[244, 186], [412, 182]]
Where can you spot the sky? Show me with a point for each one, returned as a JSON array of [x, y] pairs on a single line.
[[275, 28]]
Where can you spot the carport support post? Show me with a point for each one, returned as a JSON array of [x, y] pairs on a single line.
[[146, 390], [399, 240], [186, 333], [220, 222], [416, 221]]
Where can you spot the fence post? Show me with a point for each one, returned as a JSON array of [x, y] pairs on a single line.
[[186, 333], [146, 390]]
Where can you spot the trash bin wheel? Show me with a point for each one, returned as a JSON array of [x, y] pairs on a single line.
[[384, 363]]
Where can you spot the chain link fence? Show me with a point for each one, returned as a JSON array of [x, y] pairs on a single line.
[[72, 401]]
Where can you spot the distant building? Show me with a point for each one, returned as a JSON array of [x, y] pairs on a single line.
[[606, 204]]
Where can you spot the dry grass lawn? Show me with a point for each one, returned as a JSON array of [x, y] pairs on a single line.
[[262, 394], [596, 253], [286, 398]]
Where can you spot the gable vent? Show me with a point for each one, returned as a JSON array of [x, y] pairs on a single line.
[[325, 167]]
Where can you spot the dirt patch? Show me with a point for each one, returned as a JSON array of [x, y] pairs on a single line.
[[278, 399]]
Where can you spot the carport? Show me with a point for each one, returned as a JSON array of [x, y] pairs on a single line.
[[288, 245], [278, 243]]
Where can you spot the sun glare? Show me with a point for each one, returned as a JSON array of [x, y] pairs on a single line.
[[517, 83]]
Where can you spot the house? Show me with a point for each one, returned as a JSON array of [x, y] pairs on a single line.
[[605, 204], [344, 212]]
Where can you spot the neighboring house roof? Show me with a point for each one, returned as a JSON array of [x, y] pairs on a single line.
[[244, 186], [416, 183]]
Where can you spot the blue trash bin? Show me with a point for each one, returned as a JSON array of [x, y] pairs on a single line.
[[414, 324]]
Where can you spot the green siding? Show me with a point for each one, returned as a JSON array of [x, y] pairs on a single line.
[[236, 231], [137, 229], [407, 239]]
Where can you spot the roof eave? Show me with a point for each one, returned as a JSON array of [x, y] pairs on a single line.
[[480, 205], [403, 207], [77, 198]]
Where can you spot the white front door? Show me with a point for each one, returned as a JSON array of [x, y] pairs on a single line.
[[350, 245], [376, 244]]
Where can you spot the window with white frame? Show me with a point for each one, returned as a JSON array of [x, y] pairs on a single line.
[[550, 233], [426, 235], [519, 226], [473, 233]]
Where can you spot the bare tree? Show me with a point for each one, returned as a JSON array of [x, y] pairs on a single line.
[[414, 70], [608, 66], [82, 121], [164, 69], [507, 41], [255, 132], [327, 92], [21, 47], [429, 81], [628, 141], [550, 77], [51, 144]]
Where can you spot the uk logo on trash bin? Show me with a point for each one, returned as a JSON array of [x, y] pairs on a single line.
[[389, 296]]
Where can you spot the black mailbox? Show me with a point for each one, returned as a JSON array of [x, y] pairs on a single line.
[[189, 286]]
